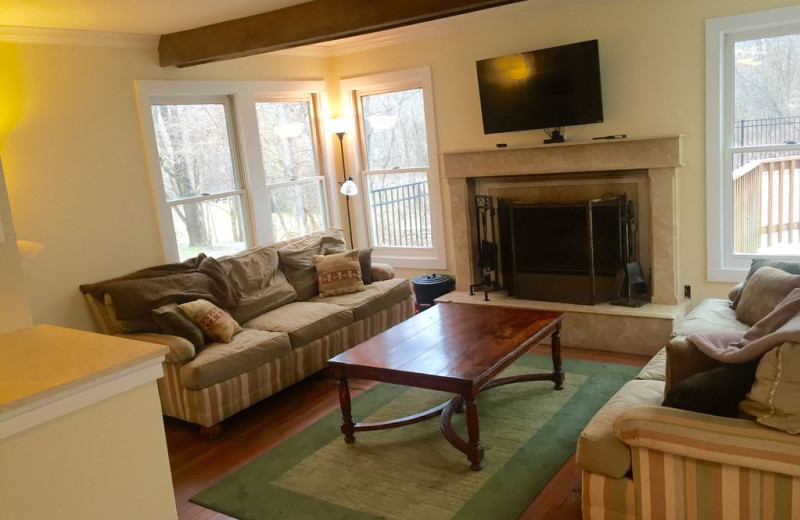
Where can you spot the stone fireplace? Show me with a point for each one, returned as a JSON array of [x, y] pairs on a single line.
[[642, 169]]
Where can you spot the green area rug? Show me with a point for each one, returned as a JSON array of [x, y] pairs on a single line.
[[528, 431]]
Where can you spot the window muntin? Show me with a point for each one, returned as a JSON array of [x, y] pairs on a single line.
[[200, 178], [291, 167]]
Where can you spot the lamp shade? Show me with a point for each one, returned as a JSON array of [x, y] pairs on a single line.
[[349, 188], [338, 125]]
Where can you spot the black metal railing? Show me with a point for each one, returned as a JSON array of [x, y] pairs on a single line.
[[754, 132], [401, 215]]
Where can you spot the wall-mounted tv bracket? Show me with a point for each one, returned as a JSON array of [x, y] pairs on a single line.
[[487, 247]]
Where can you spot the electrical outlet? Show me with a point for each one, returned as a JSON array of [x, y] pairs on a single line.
[[687, 291]]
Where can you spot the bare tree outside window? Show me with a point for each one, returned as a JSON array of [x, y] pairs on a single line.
[[396, 149], [200, 183], [291, 167], [766, 121]]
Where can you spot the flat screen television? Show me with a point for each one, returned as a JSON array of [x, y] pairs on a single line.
[[547, 88]]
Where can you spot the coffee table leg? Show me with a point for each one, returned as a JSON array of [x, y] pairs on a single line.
[[475, 450], [344, 401], [555, 348]]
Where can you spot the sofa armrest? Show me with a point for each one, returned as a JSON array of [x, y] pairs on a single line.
[[721, 440], [685, 360], [180, 349], [381, 272]]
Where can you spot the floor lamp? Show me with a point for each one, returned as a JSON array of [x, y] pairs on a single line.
[[348, 186]]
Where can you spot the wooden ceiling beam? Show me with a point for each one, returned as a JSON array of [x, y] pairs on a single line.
[[302, 24]]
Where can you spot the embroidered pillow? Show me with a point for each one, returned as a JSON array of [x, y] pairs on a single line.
[[213, 321], [339, 273]]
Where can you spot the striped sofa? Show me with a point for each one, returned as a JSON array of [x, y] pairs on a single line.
[[643, 461], [275, 350]]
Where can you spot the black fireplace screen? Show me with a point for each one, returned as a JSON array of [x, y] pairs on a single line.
[[570, 252]]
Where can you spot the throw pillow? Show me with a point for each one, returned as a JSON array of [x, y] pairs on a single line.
[[297, 260], [715, 392], [766, 289], [213, 321], [172, 321], [774, 399], [365, 262], [339, 273], [381, 272], [259, 284], [758, 263]]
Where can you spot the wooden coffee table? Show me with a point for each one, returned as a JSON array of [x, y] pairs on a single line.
[[452, 347]]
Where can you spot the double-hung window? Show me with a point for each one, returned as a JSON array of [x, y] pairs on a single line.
[[397, 162], [292, 171], [753, 140], [234, 164]]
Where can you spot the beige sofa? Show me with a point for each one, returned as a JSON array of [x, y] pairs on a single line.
[[641, 460], [289, 332]]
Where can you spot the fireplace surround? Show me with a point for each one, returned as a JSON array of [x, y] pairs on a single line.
[[658, 157], [651, 164]]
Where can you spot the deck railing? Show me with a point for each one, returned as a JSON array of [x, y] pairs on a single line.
[[766, 198], [401, 215]]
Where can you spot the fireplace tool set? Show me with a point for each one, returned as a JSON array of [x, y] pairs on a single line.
[[487, 247]]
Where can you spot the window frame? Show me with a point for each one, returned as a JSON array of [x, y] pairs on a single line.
[[245, 147], [404, 257], [723, 265]]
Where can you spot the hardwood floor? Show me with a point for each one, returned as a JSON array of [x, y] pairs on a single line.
[[197, 463]]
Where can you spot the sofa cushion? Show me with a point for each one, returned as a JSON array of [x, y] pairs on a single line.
[[656, 368], [365, 260], [220, 361], [599, 449], [763, 292], [758, 263], [338, 273], [297, 260], [774, 399], [378, 296], [258, 282], [143, 323], [173, 321], [710, 315], [303, 321]]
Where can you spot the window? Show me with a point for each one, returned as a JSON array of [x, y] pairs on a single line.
[[397, 162], [753, 140], [291, 167], [234, 164], [200, 176]]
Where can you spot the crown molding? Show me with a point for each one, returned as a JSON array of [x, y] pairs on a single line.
[[42, 35]]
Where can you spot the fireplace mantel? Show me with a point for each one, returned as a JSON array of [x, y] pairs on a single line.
[[659, 156], [580, 156]]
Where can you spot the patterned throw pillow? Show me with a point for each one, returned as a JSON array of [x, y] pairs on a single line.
[[339, 273], [213, 321]]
